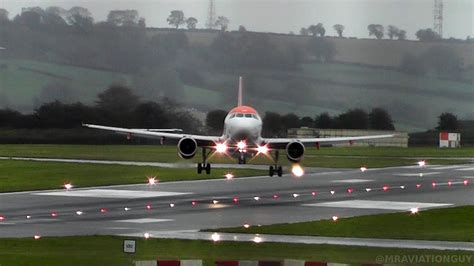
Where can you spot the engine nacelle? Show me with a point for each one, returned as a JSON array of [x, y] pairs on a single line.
[[187, 148], [295, 151]]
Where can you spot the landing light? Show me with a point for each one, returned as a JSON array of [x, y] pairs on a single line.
[[221, 148], [297, 170], [262, 149], [241, 145]]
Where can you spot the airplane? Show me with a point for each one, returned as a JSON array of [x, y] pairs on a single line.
[[241, 138]]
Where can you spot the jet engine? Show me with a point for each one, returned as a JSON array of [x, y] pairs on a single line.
[[187, 148], [295, 151]]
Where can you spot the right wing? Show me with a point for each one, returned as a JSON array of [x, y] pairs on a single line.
[[201, 140]]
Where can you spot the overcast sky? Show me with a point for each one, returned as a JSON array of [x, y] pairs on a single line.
[[287, 15]]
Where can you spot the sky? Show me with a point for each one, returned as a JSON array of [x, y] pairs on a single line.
[[283, 16]]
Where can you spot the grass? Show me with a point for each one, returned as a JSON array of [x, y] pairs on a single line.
[[453, 224], [107, 250], [346, 157], [23, 176]]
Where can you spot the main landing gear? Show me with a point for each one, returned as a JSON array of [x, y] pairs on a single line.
[[275, 169], [204, 165]]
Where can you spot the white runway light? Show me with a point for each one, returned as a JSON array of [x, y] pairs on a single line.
[[68, 186], [152, 181], [246, 226], [215, 237], [146, 235], [363, 169], [422, 163], [257, 239], [335, 218], [36, 237], [414, 210], [229, 176], [79, 213]]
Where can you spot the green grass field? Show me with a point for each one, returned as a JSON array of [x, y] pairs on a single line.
[[23, 176], [107, 250], [440, 224], [344, 157]]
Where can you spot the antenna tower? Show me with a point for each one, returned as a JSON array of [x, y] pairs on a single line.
[[211, 15], [438, 17]]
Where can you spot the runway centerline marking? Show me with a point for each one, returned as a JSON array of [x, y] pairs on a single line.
[[445, 167], [375, 204], [144, 220], [112, 193], [466, 169], [416, 174], [352, 181]]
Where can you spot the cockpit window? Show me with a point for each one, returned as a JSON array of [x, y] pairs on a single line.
[[248, 115], [254, 116], [232, 116], [239, 115]]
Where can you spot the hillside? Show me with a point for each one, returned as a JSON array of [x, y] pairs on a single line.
[[414, 102]]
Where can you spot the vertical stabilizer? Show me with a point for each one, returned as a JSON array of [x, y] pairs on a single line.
[[239, 100]]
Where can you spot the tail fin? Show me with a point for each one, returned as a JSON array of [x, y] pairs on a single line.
[[239, 100]]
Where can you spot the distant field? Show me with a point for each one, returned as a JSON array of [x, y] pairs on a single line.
[[454, 224], [107, 250], [24, 176], [414, 102], [352, 157]]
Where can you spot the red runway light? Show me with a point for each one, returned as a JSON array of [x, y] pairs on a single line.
[[450, 183], [466, 182], [54, 214], [433, 184], [193, 203], [350, 190], [103, 210], [275, 196], [385, 188], [313, 193], [418, 185], [236, 200], [2, 218], [148, 206]]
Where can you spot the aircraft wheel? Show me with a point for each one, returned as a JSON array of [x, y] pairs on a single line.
[[280, 171], [208, 168], [199, 168], [271, 171]]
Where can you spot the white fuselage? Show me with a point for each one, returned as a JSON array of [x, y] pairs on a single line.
[[243, 126]]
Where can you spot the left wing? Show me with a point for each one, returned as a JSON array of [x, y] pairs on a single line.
[[201, 140], [284, 141]]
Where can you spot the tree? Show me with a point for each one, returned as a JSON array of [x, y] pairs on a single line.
[[402, 35], [215, 121], [380, 119], [150, 115], [339, 29], [353, 119], [376, 30], [80, 18], [117, 99], [123, 18], [272, 125], [304, 31], [59, 11], [142, 23], [222, 22], [307, 122], [316, 30], [176, 18], [3, 14], [191, 23], [427, 35], [242, 28], [323, 49], [448, 121], [392, 31], [323, 121]]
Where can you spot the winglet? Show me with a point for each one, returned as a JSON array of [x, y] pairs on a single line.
[[239, 100]]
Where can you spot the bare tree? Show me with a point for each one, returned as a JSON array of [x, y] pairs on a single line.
[[222, 22]]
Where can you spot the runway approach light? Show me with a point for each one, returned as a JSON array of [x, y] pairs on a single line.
[[229, 176], [335, 218], [414, 210], [36, 237], [68, 186], [221, 148], [297, 170], [422, 163], [152, 181], [215, 237], [146, 235], [363, 169], [257, 239], [262, 149]]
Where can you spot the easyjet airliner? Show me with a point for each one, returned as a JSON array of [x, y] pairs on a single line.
[[241, 138]]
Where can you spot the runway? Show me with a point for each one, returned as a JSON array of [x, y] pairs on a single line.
[[193, 205]]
